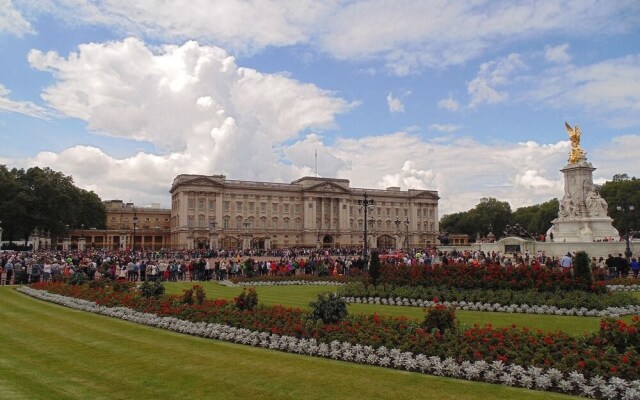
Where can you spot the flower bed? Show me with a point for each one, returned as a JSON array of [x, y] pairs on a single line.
[[595, 366], [497, 307], [491, 277], [574, 302]]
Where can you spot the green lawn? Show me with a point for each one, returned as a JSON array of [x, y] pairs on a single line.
[[300, 296], [50, 352]]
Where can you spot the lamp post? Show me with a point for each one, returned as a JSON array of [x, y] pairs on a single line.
[[406, 236], [246, 236], [212, 229], [625, 211], [135, 225], [397, 222], [365, 203], [0, 235]]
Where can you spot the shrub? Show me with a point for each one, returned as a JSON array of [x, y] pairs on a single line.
[[78, 278], [440, 318], [248, 268], [98, 284], [187, 296], [582, 270], [322, 270], [201, 296], [374, 267], [151, 289], [247, 300], [329, 307], [122, 287]]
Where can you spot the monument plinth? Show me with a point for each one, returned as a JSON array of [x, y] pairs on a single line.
[[582, 216]]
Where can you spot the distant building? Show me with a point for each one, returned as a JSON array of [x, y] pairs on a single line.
[[214, 212], [151, 232]]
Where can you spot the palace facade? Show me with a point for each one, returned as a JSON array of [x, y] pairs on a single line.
[[211, 211]]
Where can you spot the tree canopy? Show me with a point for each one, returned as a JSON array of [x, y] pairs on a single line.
[[45, 199], [621, 191], [624, 192]]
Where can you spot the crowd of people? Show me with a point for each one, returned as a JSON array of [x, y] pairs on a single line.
[[202, 265]]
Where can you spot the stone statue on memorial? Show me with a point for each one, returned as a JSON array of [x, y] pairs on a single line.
[[576, 151], [596, 205], [568, 208]]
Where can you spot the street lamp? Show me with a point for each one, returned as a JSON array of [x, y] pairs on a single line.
[[365, 203], [81, 230], [625, 211], [406, 236], [212, 228], [135, 225]]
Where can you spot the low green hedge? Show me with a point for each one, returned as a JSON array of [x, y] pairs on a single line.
[[560, 298]]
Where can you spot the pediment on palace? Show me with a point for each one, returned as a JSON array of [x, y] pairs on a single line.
[[325, 187], [197, 181], [425, 194]]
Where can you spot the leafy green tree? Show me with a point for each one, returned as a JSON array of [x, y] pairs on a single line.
[[46, 199], [537, 218], [622, 191], [488, 214]]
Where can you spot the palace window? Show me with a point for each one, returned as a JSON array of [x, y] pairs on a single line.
[[226, 205], [190, 221], [200, 204], [191, 203], [212, 204]]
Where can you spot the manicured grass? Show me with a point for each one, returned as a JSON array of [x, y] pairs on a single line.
[[300, 296], [51, 352]]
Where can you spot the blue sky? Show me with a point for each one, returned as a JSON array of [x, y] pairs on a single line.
[[468, 97]]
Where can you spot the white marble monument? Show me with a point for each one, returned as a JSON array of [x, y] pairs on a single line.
[[582, 216]]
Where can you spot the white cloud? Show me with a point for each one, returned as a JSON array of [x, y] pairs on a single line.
[[11, 20], [492, 75], [207, 115], [608, 89], [395, 104], [521, 173], [449, 104], [21, 107], [408, 35], [446, 128], [405, 35], [557, 54]]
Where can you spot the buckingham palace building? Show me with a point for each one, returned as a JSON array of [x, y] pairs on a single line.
[[211, 211]]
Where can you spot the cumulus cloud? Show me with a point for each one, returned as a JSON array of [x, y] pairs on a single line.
[[11, 20], [205, 114], [492, 75], [21, 107], [557, 54], [463, 170], [395, 104]]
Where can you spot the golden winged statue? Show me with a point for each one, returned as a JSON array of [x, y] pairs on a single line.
[[576, 151]]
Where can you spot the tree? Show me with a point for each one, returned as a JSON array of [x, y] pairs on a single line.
[[489, 214], [47, 199], [537, 218], [622, 191]]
